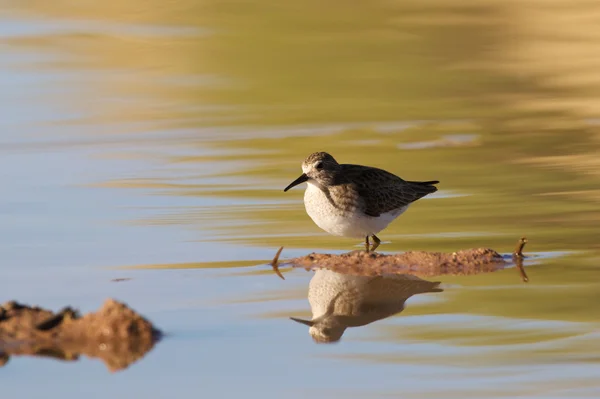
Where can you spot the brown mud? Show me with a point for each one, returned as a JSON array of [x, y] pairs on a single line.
[[419, 263], [115, 334]]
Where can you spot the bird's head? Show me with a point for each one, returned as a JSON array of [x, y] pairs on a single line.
[[319, 167]]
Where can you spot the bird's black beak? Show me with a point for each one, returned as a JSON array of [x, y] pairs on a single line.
[[299, 180], [309, 323]]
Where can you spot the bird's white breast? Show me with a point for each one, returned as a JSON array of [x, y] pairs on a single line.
[[352, 223]]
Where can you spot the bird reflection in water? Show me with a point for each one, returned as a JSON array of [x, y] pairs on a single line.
[[339, 301]]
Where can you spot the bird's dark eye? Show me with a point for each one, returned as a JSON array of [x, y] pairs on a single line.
[[319, 166]]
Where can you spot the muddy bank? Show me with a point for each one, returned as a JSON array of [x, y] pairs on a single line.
[[420, 263], [115, 333], [469, 261]]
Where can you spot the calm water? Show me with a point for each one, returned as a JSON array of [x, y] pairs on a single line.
[[152, 140]]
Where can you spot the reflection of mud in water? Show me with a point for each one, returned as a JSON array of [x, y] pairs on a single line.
[[339, 301], [116, 334]]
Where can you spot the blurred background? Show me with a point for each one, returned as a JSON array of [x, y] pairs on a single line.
[[153, 139]]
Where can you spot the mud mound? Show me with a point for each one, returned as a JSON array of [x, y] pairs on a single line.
[[363, 263], [420, 263], [115, 333]]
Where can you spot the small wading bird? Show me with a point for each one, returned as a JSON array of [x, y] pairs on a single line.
[[354, 200]]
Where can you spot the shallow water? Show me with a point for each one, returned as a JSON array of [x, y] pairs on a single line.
[[153, 142]]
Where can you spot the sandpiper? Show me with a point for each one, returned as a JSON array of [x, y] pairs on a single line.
[[354, 200]]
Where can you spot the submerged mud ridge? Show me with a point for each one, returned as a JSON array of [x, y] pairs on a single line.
[[420, 263], [115, 333]]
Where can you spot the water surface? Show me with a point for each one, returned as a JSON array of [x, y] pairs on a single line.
[[153, 141]]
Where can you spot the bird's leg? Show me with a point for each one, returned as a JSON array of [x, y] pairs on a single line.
[[367, 243], [376, 243]]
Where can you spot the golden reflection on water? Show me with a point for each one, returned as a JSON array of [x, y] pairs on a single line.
[[514, 64], [520, 79]]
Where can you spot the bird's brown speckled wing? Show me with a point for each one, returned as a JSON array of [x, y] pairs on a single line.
[[383, 191]]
